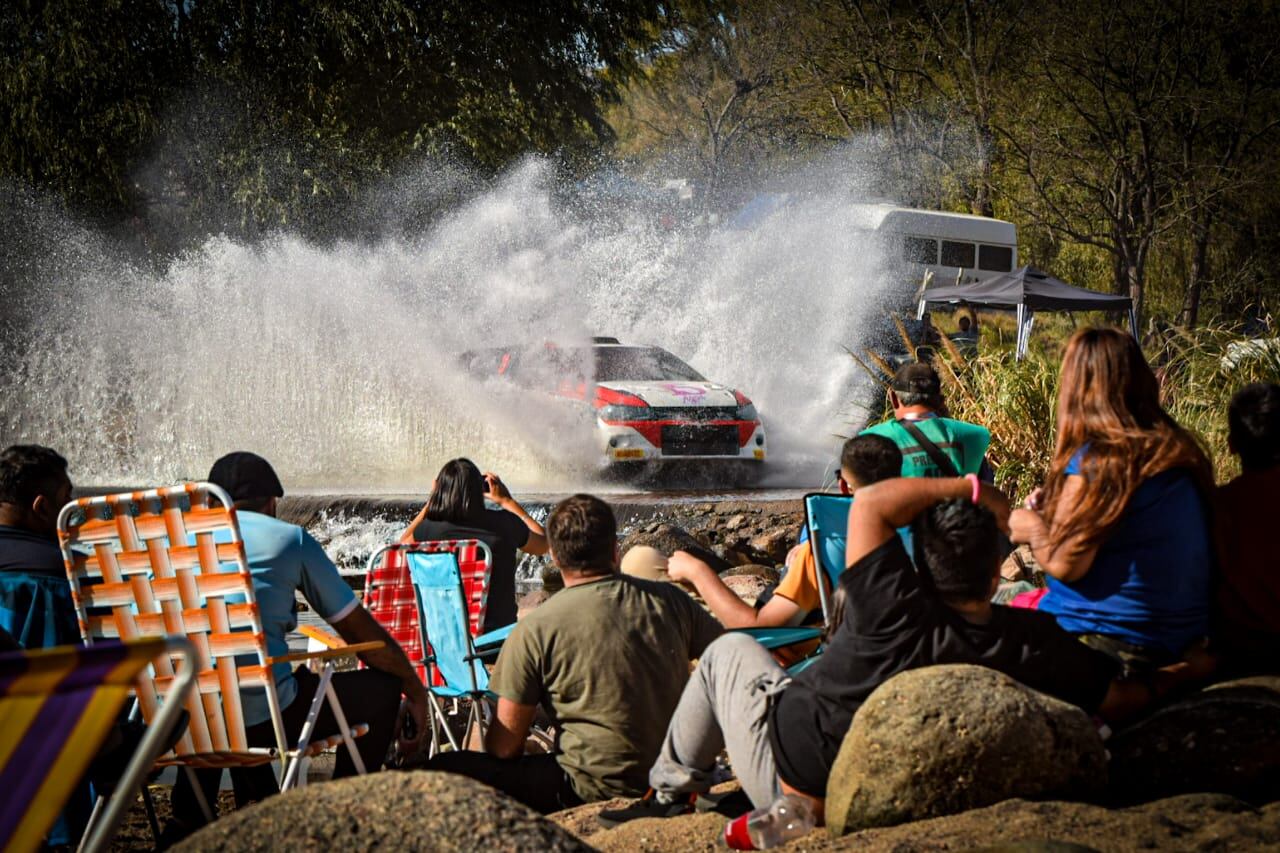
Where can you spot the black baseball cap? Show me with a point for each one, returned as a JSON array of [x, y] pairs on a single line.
[[917, 378], [245, 476]]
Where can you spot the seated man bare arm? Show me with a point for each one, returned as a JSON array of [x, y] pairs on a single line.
[[864, 460], [359, 626]]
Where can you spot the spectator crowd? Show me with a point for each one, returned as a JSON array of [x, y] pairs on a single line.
[[1135, 577]]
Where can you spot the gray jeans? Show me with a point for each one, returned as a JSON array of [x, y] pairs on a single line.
[[724, 706]]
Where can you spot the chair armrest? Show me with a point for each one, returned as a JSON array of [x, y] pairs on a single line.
[[320, 635], [343, 651]]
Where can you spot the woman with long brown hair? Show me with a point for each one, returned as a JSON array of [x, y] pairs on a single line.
[[1121, 527]]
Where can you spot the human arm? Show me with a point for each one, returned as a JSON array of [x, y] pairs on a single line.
[[359, 626], [331, 598], [880, 509], [408, 534], [509, 729], [536, 544], [1071, 559], [723, 602]]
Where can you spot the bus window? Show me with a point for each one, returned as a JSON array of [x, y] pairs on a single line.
[[995, 258], [920, 250], [957, 254]]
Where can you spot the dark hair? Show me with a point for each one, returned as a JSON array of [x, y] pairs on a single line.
[[1254, 420], [28, 471], [918, 384], [583, 534], [871, 458], [957, 544], [964, 322], [458, 495]]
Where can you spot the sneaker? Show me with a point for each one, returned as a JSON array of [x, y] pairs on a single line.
[[650, 805]]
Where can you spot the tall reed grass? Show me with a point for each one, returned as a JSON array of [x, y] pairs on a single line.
[[1199, 372]]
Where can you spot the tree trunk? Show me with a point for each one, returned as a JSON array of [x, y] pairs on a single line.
[[1199, 268]]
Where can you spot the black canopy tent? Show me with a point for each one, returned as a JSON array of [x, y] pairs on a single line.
[[1027, 291]]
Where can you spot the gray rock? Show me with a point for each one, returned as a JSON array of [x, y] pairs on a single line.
[[389, 811], [766, 573], [773, 544], [944, 739], [1225, 739], [747, 587]]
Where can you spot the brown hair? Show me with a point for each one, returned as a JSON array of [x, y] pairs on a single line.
[[1109, 401], [583, 535]]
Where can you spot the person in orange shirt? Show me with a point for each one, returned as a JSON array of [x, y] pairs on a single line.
[[864, 460]]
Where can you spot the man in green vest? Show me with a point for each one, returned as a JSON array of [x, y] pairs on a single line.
[[932, 445]]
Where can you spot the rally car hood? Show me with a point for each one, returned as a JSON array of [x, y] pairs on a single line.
[[676, 393]]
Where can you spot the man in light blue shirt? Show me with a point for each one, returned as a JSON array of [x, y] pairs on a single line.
[[284, 559]]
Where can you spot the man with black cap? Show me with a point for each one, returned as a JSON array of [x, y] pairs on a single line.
[[284, 559], [932, 444]]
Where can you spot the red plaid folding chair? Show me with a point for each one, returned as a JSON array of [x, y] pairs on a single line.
[[389, 597], [171, 561]]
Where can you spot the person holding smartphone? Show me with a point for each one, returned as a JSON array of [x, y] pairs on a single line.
[[456, 509]]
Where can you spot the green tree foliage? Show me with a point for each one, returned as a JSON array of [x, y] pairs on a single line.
[[1133, 143], [79, 94], [258, 114]]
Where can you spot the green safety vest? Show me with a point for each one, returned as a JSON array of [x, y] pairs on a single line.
[[964, 443]]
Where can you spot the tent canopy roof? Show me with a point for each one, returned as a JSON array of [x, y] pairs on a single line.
[[1036, 290]]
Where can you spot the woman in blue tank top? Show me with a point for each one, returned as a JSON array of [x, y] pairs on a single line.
[[1121, 527]]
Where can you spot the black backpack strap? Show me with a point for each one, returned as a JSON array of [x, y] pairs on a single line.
[[942, 460]]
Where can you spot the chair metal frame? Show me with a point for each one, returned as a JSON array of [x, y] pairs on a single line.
[[154, 583], [476, 603]]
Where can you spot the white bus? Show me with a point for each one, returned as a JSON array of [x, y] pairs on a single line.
[[955, 247]]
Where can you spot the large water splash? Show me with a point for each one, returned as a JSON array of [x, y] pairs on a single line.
[[337, 362]]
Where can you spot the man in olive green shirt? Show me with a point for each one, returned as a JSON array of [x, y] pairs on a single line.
[[607, 657]]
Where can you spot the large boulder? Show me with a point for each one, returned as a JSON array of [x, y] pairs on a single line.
[[668, 538], [945, 739], [1225, 739], [388, 811]]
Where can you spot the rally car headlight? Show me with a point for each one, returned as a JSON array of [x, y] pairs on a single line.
[[748, 412], [625, 413]]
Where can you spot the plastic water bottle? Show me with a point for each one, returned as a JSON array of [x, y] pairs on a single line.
[[787, 818]]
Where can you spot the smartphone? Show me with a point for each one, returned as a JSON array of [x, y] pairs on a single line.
[[484, 485]]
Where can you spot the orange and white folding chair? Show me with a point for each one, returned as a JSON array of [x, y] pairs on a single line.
[[170, 561]]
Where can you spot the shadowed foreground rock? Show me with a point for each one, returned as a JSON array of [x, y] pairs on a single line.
[[945, 739], [1224, 739], [390, 811]]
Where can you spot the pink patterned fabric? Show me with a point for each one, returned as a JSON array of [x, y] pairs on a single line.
[[1028, 600]]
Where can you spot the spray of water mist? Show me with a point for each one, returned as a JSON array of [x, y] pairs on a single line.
[[338, 362]]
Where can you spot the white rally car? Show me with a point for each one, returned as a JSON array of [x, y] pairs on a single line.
[[649, 405]]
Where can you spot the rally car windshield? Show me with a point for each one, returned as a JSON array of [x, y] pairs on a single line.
[[641, 364]]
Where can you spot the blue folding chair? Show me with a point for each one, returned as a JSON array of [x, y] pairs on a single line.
[[827, 517], [450, 650]]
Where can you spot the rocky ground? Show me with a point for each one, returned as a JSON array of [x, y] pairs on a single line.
[[1192, 822]]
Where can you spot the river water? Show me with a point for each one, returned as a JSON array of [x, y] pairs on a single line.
[[336, 361]]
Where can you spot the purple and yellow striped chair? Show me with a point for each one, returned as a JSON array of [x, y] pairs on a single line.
[[56, 708]]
